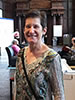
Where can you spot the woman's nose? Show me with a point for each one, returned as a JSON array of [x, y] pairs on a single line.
[[31, 30]]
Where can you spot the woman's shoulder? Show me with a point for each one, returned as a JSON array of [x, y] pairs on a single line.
[[21, 51], [51, 52]]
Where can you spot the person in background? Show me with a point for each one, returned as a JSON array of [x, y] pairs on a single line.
[[73, 43], [66, 52], [42, 64], [17, 36], [73, 49], [15, 46]]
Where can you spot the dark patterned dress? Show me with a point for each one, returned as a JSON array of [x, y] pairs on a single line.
[[45, 75]]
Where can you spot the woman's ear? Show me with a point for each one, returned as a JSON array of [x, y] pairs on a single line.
[[44, 30]]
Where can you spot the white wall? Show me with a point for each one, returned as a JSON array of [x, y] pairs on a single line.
[[6, 32]]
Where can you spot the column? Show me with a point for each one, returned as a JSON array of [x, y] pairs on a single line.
[[54, 38], [61, 20], [20, 29], [61, 23], [54, 20]]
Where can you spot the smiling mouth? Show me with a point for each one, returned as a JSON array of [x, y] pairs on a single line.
[[32, 35]]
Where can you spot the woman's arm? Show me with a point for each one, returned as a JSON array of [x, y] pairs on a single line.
[[56, 79]]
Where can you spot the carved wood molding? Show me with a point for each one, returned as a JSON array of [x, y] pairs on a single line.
[[22, 6], [32, 4], [57, 7], [40, 4]]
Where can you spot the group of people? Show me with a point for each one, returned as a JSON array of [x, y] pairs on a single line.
[[15, 43], [68, 52], [15, 47]]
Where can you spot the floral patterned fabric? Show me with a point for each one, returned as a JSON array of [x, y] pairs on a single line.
[[44, 74]]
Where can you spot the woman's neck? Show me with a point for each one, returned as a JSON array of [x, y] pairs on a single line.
[[35, 47], [37, 50]]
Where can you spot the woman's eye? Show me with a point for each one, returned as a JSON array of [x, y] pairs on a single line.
[[36, 26], [28, 26]]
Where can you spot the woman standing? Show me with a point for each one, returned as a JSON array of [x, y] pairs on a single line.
[[39, 77]]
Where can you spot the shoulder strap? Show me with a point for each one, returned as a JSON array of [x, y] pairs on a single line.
[[29, 83]]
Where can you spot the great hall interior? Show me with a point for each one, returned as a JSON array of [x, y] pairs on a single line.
[[59, 12], [61, 15]]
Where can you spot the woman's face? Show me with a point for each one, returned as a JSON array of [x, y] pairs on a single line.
[[33, 30]]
